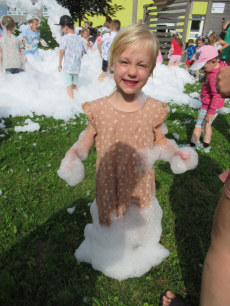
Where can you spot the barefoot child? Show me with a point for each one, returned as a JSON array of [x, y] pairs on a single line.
[[11, 48], [207, 61], [70, 48], [31, 37], [126, 127]]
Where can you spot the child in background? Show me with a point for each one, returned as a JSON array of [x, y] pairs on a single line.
[[107, 40], [175, 51], [11, 48], [126, 127], [84, 36], [207, 61], [70, 48], [31, 37], [215, 41], [191, 50], [200, 43]]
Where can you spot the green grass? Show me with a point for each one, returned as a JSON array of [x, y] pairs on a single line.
[[38, 237]]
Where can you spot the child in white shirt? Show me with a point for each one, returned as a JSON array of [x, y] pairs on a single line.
[[71, 48]]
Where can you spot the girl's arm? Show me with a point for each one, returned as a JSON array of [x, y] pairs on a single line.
[[181, 159], [84, 144], [226, 24], [223, 43], [72, 169], [99, 47]]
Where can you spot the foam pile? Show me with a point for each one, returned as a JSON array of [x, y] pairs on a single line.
[[129, 247], [29, 127], [46, 93]]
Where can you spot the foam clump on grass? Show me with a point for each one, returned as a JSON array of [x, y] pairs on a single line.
[[129, 247], [29, 126], [71, 210]]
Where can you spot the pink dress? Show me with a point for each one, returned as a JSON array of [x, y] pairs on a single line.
[[122, 139]]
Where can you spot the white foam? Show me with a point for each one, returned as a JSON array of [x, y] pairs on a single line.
[[47, 93], [129, 247], [176, 136], [29, 127], [71, 210], [71, 170]]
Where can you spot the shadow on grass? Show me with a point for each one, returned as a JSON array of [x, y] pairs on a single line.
[[193, 197], [42, 269]]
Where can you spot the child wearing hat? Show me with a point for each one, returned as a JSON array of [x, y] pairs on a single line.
[[72, 51], [206, 59]]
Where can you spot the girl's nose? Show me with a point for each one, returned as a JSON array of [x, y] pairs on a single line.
[[132, 71]]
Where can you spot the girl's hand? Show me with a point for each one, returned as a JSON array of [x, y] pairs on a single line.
[[209, 118], [60, 68], [182, 155]]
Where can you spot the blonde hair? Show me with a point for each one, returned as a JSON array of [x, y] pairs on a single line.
[[211, 38], [83, 31], [132, 34], [115, 24], [8, 22]]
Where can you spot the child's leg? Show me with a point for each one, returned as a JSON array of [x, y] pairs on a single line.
[[207, 133], [196, 135], [186, 66], [104, 70], [197, 75], [75, 82], [70, 91], [216, 272], [170, 64], [68, 78]]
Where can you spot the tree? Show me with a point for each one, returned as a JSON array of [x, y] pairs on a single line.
[[81, 9]]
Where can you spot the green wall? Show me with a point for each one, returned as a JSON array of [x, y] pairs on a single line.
[[125, 16]]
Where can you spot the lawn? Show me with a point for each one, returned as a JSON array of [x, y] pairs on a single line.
[[38, 237]]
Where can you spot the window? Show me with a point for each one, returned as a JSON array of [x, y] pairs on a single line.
[[45, 11]]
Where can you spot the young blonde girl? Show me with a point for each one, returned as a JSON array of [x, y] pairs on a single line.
[[218, 43], [176, 51], [126, 127]]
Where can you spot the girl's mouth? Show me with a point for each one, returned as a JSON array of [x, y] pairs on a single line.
[[130, 83]]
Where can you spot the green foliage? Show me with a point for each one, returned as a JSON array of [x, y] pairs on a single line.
[[46, 34], [82, 9]]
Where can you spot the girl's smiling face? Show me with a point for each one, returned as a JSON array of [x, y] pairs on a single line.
[[132, 68]]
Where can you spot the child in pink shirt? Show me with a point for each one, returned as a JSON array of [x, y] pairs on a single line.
[[207, 61]]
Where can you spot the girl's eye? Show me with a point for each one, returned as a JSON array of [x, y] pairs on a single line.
[[142, 66]]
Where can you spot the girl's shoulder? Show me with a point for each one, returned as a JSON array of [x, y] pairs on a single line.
[[156, 103], [95, 105]]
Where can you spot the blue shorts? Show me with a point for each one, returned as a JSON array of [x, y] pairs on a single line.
[[70, 79], [200, 123], [14, 70]]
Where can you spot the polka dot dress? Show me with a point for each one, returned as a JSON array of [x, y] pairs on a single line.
[[122, 139]]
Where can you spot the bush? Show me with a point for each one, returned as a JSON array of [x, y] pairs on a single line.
[[46, 34]]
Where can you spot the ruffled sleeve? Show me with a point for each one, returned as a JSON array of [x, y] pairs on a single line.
[[88, 111], [160, 111], [225, 178]]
